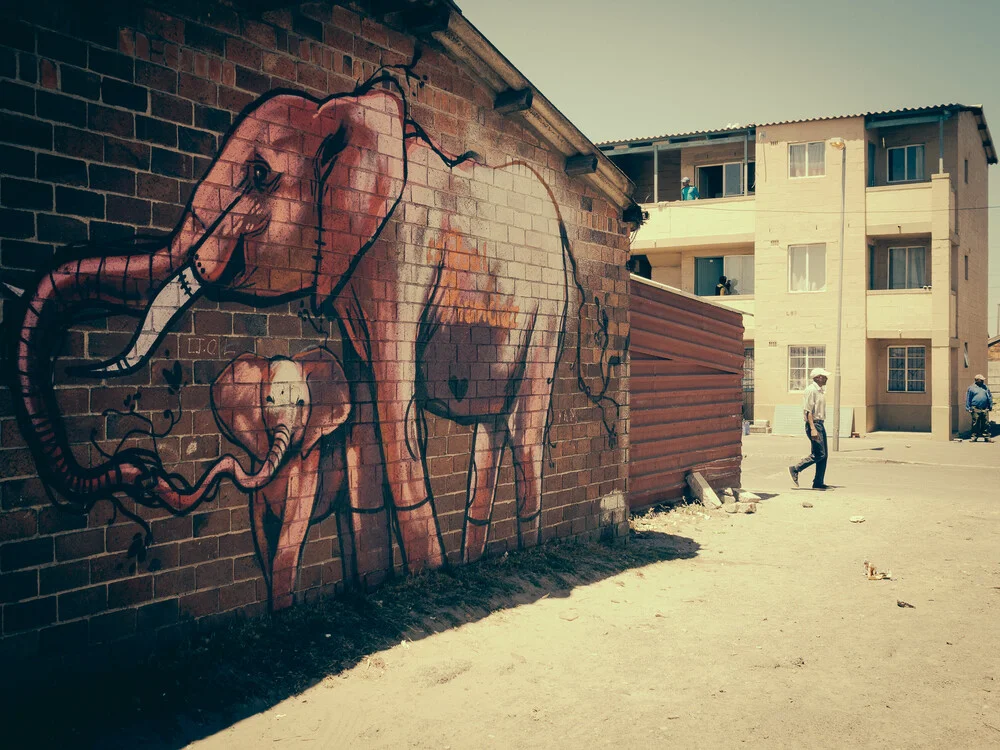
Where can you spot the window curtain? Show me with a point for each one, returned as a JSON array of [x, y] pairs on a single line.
[[797, 160], [817, 162]]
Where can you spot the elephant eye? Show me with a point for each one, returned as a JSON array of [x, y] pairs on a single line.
[[269, 400], [260, 174], [300, 402]]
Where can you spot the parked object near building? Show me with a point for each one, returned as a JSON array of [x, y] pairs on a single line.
[[769, 219], [685, 393], [294, 300]]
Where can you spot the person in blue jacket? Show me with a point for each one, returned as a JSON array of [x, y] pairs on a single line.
[[979, 403], [688, 191]]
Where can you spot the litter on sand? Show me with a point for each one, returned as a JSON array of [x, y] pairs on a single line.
[[875, 575], [906, 605], [857, 519]]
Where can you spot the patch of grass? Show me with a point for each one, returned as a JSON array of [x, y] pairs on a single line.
[[215, 678]]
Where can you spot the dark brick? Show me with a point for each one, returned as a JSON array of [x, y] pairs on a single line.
[[79, 202], [166, 215], [111, 64], [52, 518], [130, 591], [15, 462], [174, 582], [25, 131], [16, 224], [21, 254], [79, 143], [155, 131], [171, 163], [250, 324], [102, 232], [8, 63], [112, 179], [205, 39], [62, 108], [157, 614], [19, 524], [97, 28], [201, 166], [126, 95], [214, 574], [17, 35], [307, 27], [27, 67], [199, 550], [128, 210], [156, 187], [235, 99], [196, 141], [111, 567], [62, 170], [109, 120], [17, 97], [25, 194], [29, 615], [171, 108], [112, 626], [67, 638], [80, 82], [200, 604], [71, 575], [79, 544], [210, 118], [126, 153], [17, 555], [17, 161], [155, 76], [251, 80], [61, 229], [83, 602], [20, 585], [62, 48], [243, 53], [197, 89]]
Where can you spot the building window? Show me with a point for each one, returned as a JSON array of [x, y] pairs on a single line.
[[807, 268], [801, 361], [966, 171], [907, 369], [739, 273], [966, 267], [807, 159], [724, 180], [907, 267], [905, 163]]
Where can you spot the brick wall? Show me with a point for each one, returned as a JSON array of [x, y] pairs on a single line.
[[110, 124]]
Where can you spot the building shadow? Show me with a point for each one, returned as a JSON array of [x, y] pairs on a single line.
[[213, 680]]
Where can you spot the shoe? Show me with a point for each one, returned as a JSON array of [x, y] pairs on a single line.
[[794, 474], [821, 486]]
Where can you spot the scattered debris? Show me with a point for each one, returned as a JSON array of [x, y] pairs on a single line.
[[857, 519], [728, 491], [905, 605], [875, 575], [728, 496], [746, 496], [807, 505], [569, 615], [703, 490], [740, 508]]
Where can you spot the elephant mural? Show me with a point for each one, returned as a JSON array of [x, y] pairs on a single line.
[[449, 278]]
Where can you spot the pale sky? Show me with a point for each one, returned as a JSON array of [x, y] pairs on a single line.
[[638, 68]]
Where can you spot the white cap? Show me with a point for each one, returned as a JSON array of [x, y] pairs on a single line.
[[685, 179], [817, 371]]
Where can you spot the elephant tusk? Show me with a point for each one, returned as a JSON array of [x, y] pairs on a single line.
[[14, 290], [170, 302]]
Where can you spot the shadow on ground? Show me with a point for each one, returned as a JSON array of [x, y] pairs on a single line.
[[219, 678]]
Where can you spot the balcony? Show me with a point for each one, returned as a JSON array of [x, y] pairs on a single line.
[[909, 208], [899, 313], [717, 223]]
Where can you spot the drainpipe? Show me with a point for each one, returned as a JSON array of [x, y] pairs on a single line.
[[656, 173], [746, 148], [941, 144]]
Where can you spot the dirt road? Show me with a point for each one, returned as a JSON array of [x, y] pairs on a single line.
[[769, 636]]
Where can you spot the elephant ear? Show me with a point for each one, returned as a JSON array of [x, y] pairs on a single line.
[[360, 161], [237, 406], [329, 395]]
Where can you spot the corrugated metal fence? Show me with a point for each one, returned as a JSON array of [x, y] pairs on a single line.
[[686, 393]]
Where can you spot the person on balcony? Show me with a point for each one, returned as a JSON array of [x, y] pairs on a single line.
[[688, 191], [724, 287], [979, 403]]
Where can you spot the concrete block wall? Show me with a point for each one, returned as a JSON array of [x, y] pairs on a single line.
[[150, 168]]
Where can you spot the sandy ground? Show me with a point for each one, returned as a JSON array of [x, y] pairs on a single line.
[[769, 636]]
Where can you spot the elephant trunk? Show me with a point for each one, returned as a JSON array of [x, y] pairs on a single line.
[[228, 466], [122, 282]]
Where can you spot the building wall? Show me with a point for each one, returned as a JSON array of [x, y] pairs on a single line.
[[337, 310], [906, 412]]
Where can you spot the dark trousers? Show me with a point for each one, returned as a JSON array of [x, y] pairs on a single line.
[[817, 455], [980, 423]]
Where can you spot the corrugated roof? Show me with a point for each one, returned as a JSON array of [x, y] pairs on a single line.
[[976, 109]]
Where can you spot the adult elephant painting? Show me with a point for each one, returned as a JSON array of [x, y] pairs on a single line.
[[450, 279]]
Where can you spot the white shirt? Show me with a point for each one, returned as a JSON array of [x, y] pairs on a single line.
[[814, 400]]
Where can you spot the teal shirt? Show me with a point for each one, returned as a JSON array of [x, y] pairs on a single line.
[[690, 193]]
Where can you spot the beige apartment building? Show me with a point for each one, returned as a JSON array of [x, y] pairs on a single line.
[[769, 217]]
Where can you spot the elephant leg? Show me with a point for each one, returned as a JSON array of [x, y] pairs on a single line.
[[363, 527], [529, 432], [303, 481], [404, 450], [488, 443]]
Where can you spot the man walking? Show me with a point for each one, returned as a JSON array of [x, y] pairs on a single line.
[[979, 403], [814, 411]]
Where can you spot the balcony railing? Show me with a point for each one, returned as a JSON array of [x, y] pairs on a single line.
[[721, 222], [899, 313]]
